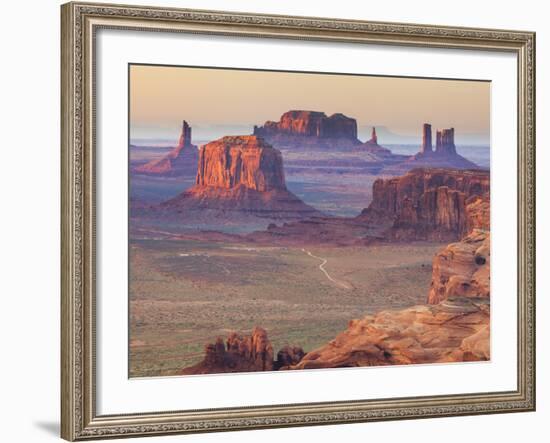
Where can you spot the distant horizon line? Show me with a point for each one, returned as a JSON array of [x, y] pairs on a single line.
[[209, 133], [170, 142]]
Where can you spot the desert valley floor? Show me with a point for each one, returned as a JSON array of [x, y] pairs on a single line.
[[185, 293]]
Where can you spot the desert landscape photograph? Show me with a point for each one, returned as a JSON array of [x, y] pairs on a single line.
[[295, 220]]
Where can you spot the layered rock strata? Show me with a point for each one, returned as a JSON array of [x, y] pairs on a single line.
[[239, 176], [312, 130], [310, 124], [455, 331], [240, 161], [426, 203], [462, 269]]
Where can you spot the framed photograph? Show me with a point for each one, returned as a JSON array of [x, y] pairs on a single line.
[[283, 221]]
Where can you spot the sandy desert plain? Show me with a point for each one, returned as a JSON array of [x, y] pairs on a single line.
[[186, 293]]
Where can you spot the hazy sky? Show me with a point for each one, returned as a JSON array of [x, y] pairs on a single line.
[[215, 101]]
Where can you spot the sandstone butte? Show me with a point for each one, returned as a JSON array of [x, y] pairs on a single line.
[[311, 124], [240, 175], [424, 204], [182, 160], [444, 155], [452, 326]]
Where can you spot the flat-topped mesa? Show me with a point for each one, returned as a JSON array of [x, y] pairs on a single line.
[[427, 203], [235, 161], [240, 180], [310, 124], [180, 161]]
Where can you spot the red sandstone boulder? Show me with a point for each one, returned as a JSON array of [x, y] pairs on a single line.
[[462, 269], [288, 356]]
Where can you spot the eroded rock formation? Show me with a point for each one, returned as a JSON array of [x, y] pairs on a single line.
[[426, 138], [182, 160], [373, 147], [242, 160], [478, 211], [251, 353], [455, 331], [462, 269], [312, 130], [445, 142], [310, 124], [426, 203], [239, 176], [444, 156]]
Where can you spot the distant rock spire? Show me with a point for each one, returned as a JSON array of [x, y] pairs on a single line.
[[180, 161], [373, 137], [185, 136], [445, 141], [427, 138]]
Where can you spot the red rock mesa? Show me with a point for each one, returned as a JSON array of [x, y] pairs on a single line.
[[310, 124], [240, 176], [426, 203]]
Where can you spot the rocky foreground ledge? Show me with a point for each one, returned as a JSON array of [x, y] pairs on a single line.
[[455, 330], [452, 331]]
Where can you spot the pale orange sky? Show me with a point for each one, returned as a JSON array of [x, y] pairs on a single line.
[[214, 100]]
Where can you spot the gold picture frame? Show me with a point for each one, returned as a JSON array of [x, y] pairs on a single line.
[[80, 21]]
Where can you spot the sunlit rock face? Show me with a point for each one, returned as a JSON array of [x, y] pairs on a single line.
[[238, 178], [310, 124], [427, 203], [241, 160]]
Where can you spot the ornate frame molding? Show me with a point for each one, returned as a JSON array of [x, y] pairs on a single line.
[[79, 420]]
